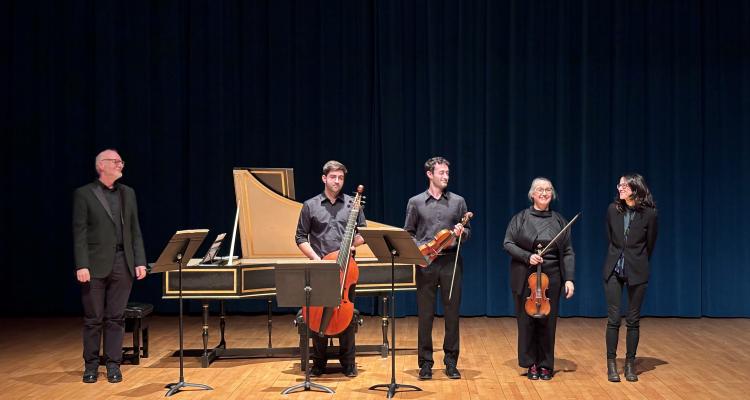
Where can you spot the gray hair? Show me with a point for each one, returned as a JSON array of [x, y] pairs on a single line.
[[536, 183], [100, 156]]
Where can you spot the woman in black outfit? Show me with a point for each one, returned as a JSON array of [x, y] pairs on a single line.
[[529, 231], [631, 230]]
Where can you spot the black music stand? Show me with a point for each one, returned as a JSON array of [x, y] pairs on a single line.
[[295, 281], [392, 244], [181, 246]]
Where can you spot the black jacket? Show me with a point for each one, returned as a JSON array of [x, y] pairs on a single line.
[[519, 242], [94, 235], [640, 245]]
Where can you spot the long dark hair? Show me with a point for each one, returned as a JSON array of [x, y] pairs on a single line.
[[641, 194]]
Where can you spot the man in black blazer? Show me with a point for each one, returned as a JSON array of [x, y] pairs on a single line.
[[109, 253]]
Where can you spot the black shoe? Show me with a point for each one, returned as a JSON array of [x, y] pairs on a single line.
[[545, 374], [533, 373], [90, 375], [425, 373], [630, 374], [452, 372], [114, 375], [350, 370], [612, 374], [317, 370]]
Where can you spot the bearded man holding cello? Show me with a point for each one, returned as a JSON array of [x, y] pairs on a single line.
[[427, 214], [320, 231]]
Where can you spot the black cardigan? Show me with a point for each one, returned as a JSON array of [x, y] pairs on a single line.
[[640, 245], [519, 240]]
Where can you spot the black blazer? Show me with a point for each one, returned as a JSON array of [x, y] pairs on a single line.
[[519, 241], [641, 239], [94, 236]]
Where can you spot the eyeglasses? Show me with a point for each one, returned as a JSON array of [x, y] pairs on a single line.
[[115, 161], [543, 190], [622, 186]]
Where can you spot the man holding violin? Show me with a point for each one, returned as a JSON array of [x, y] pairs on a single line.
[[320, 230], [426, 214]]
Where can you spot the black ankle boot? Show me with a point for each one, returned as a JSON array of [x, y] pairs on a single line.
[[612, 374], [630, 370]]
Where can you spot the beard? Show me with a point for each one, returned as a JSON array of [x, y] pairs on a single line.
[[334, 188]]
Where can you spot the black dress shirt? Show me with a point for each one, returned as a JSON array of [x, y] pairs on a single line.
[[426, 215], [114, 199], [322, 223]]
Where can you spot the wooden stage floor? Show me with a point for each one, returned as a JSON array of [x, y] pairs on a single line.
[[678, 359]]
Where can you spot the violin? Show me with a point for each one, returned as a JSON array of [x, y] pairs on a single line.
[[537, 304], [330, 321], [442, 240]]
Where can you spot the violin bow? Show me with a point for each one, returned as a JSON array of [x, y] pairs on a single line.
[[458, 249], [551, 242], [455, 261]]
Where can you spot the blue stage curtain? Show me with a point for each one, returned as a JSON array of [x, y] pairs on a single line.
[[580, 91]]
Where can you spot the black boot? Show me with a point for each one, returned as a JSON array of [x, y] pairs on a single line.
[[612, 374], [630, 370]]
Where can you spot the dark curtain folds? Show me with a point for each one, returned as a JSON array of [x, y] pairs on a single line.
[[577, 91]]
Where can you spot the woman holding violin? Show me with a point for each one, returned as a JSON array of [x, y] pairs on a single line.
[[528, 233], [427, 214], [632, 225]]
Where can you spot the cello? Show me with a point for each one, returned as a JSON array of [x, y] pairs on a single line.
[[330, 321]]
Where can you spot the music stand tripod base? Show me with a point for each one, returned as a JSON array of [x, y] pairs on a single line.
[[307, 385], [181, 246], [176, 387], [394, 387], [388, 244], [294, 287]]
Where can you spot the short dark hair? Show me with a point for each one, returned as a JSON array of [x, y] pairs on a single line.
[[333, 165], [429, 165]]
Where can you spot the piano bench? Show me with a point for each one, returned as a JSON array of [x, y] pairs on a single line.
[[136, 321], [299, 322]]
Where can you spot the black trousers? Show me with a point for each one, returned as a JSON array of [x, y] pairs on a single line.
[[428, 279], [536, 336], [347, 347], [613, 292], [104, 301]]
